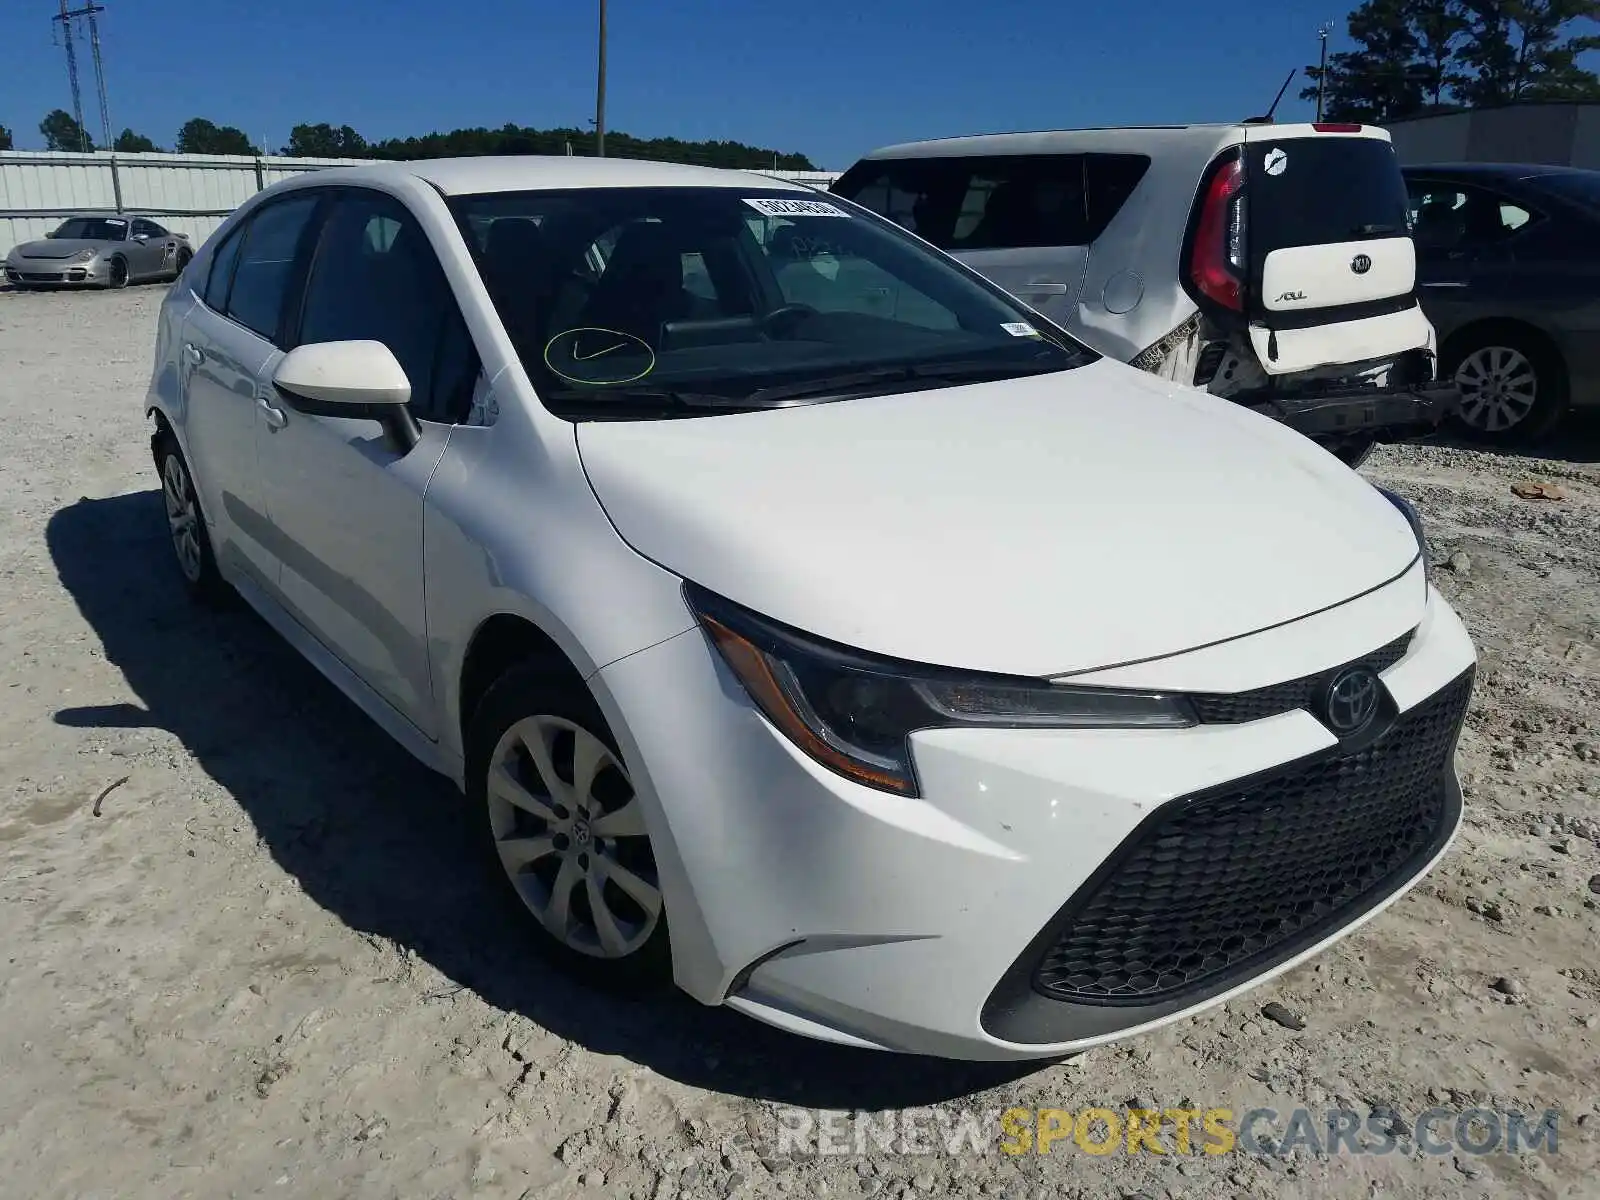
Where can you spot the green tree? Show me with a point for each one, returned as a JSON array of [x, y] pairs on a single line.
[[200, 136], [1439, 26], [515, 139], [5, 138], [324, 141], [1376, 82], [1525, 50], [62, 132], [130, 142]]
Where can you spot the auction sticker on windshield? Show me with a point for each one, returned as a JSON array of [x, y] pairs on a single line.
[[795, 208], [1020, 329]]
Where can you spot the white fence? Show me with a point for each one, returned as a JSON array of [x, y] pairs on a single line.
[[191, 193]]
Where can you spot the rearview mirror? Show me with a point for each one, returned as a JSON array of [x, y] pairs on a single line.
[[360, 380]]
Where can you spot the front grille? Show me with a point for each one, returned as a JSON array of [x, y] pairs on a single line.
[[1213, 884], [1278, 698], [42, 277]]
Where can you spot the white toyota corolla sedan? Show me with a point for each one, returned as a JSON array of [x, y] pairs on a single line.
[[806, 621]]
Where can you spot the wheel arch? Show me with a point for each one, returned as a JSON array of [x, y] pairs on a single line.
[[1478, 332], [500, 642]]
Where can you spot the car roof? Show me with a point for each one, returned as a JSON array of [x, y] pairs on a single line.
[[113, 216], [536, 172], [1150, 139], [1043, 140], [1483, 170]]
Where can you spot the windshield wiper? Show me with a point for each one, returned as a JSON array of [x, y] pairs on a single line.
[[1375, 230], [907, 373], [783, 394], [622, 397]]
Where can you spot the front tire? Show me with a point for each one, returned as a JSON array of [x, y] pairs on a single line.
[[186, 525], [1514, 387], [117, 274], [562, 830]]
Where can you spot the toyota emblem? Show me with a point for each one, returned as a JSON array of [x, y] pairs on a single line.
[[1361, 264], [1351, 700]]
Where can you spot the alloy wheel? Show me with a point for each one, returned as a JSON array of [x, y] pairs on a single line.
[[570, 834], [183, 517], [1499, 388]]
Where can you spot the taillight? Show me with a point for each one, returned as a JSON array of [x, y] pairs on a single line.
[[1217, 261], [1329, 127]]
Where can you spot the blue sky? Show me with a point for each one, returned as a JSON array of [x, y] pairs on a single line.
[[829, 78]]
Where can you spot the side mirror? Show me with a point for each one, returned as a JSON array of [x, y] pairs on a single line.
[[141, 237], [51, 234], [360, 380]]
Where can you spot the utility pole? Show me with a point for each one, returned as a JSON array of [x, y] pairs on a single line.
[[1322, 75], [65, 19], [72, 69], [599, 90], [99, 71]]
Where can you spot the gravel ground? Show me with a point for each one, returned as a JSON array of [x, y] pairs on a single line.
[[262, 965]]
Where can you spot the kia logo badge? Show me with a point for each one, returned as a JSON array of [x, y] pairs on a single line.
[[1351, 700], [1361, 264]]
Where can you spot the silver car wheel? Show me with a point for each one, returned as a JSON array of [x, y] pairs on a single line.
[[183, 518], [575, 847], [1499, 388]]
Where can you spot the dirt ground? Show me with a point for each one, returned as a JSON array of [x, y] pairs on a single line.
[[262, 964]]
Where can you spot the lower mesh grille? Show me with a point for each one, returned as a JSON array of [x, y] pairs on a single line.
[[1236, 875]]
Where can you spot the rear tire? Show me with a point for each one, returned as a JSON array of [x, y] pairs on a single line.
[[562, 832], [183, 259], [1514, 386], [186, 527]]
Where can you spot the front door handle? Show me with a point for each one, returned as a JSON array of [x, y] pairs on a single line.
[[271, 414], [1045, 287], [194, 353]]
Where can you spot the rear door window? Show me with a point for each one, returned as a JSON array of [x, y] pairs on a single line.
[[222, 262], [1447, 217], [998, 202], [1323, 190]]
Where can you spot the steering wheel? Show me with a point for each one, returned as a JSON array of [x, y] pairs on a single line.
[[783, 319]]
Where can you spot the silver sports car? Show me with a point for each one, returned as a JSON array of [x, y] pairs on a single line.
[[100, 251]]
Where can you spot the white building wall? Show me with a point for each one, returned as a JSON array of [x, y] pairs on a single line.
[[189, 193]]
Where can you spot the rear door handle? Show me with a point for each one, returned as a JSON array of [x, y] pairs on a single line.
[[194, 353], [271, 414]]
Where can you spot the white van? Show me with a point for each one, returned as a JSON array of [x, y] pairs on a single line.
[[1271, 264]]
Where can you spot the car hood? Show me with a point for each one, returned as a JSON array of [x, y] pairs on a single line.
[[1037, 526], [56, 248]]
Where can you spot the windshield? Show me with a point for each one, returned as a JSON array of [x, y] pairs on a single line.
[[1580, 186], [637, 301], [93, 229]]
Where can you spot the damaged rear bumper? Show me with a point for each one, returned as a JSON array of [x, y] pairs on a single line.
[[1407, 410]]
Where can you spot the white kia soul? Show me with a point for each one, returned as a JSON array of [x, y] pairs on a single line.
[[1271, 264], [919, 679]]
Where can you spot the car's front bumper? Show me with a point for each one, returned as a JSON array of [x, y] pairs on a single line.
[[55, 273], [918, 925]]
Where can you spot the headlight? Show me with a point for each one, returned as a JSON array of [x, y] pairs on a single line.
[[1414, 519], [82, 256], [855, 714]]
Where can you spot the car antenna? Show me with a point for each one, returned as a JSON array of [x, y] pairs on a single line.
[[1266, 118]]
